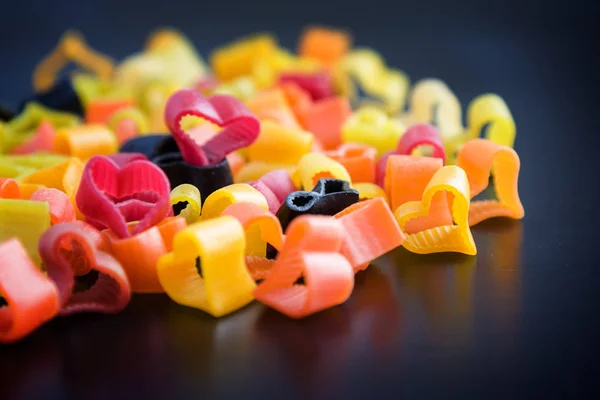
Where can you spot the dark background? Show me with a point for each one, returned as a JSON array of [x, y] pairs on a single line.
[[518, 321]]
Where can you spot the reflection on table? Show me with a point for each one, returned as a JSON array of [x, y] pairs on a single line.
[[404, 306]]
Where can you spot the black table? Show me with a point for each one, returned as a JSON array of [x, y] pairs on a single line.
[[519, 320]]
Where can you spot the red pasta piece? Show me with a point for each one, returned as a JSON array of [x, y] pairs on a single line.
[[110, 196], [419, 135], [239, 126], [280, 182], [317, 84], [61, 208], [62, 248], [272, 201], [311, 250], [275, 186], [32, 298]]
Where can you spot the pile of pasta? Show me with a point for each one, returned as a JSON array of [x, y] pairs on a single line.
[[264, 174]]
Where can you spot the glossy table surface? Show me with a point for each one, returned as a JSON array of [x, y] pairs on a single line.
[[519, 320]]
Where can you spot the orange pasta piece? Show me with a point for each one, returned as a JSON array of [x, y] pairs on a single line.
[[139, 254], [99, 111], [9, 189], [272, 104], [85, 141], [31, 296], [169, 228], [259, 268], [477, 157], [298, 98], [325, 119], [371, 231], [27, 189], [311, 251], [324, 44], [406, 179], [358, 159], [454, 237], [64, 177]]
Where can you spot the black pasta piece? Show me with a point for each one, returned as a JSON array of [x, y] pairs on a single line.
[[162, 150], [207, 179], [166, 146], [61, 97], [150, 145], [328, 197], [6, 114]]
